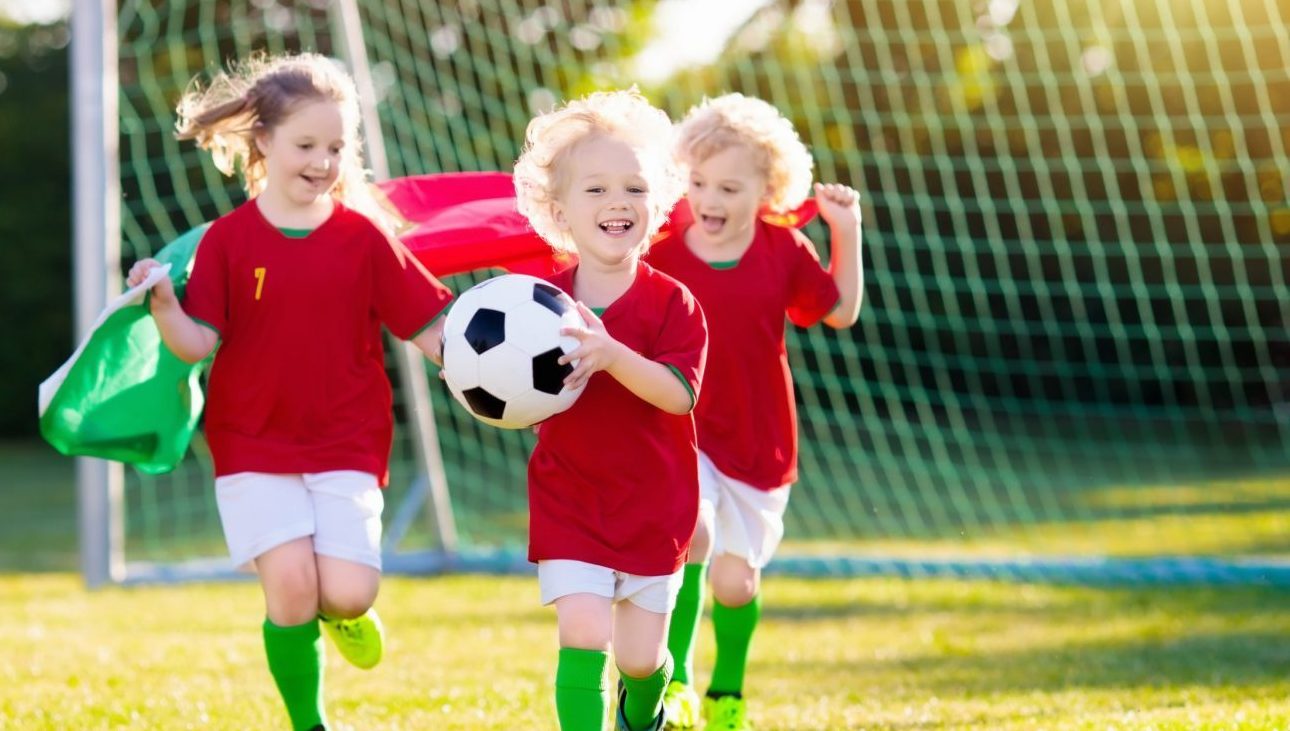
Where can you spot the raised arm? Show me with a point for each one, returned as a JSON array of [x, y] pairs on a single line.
[[840, 207]]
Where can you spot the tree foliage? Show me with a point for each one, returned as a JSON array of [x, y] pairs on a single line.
[[35, 217]]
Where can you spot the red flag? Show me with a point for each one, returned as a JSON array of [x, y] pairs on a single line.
[[459, 222]]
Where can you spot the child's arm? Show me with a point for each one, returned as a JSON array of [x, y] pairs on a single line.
[[840, 207], [188, 339], [653, 382]]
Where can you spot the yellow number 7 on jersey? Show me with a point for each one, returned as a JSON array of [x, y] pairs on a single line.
[[259, 280]]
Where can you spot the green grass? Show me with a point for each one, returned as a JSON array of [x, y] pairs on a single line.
[[37, 508], [478, 653]]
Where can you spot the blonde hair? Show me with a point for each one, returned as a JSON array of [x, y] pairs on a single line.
[[735, 119], [541, 172], [254, 97]]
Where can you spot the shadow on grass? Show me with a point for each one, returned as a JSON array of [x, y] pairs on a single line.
[[1058, 603], [1235, 659]]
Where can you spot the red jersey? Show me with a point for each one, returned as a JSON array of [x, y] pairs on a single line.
[[298, 383], [614, 480], [747, 418]]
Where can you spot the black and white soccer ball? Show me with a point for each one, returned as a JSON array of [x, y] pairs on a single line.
[[501, 348]]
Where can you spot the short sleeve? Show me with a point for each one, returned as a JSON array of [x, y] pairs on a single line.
[[812, 291], [683, 339], [406, 296], [206, 295]]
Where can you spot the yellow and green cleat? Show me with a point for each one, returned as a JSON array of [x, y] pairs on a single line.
[[360, 640], [726, 713], [682, 706]]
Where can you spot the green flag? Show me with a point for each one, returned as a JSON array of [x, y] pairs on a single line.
[[123, 395]]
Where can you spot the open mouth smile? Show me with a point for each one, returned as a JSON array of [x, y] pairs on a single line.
[[712, 224], [616, 226]]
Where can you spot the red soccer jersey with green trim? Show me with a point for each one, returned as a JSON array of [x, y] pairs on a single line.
[[747, 418], [298, 383], [613, 481]]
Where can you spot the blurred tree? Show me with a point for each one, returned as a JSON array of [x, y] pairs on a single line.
[[35, 217]]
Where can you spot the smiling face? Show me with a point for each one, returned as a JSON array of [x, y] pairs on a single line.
[[303, 153], [726, 190], [604, 204]]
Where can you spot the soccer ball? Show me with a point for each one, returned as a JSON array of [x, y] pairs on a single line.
[[501, 342]]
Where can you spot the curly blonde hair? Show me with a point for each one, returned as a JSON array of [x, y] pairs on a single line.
[[254, 97], [541, 172], [735, 119]]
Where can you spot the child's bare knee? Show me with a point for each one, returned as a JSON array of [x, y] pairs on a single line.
[[735, 584], [291, 595], [346, 605], [637, 667]]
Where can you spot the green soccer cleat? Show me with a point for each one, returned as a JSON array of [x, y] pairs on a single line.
[[726, 713], [360, 640], [682, 706]]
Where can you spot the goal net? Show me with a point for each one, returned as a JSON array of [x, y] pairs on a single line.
[[1072, 360]]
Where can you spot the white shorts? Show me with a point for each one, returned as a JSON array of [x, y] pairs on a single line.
[[560, 577], [746, 522], [341, 510]]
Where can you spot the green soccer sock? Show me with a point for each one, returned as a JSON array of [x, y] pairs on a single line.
[[296, 662], [684, 627], [734, 630], [644, 697], [581, 695]]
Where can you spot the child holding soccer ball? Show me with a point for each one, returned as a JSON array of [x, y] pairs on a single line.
[[744, 159], [293, 286], [613, 481]]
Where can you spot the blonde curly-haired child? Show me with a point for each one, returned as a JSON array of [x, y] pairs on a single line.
[[745, 159], [613, 481]]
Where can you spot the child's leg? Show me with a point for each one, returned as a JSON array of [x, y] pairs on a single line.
[[346, 589], [581, 693], [347, 507], [268, 521], [347, 592], [749, 526], [644, 663], [292, 642], [736, 610], [683, 629]]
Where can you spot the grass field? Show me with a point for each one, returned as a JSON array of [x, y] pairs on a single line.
[[478, 653], [474, 652], [37, 508]]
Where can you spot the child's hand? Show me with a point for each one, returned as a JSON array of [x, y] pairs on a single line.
[[430, 342], [163, 292], [436, 356], [839, 205], [597, 349]]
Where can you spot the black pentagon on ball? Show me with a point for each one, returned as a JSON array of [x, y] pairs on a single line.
[[551, 297], [484, 403], [548, 374], [486, 330]]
